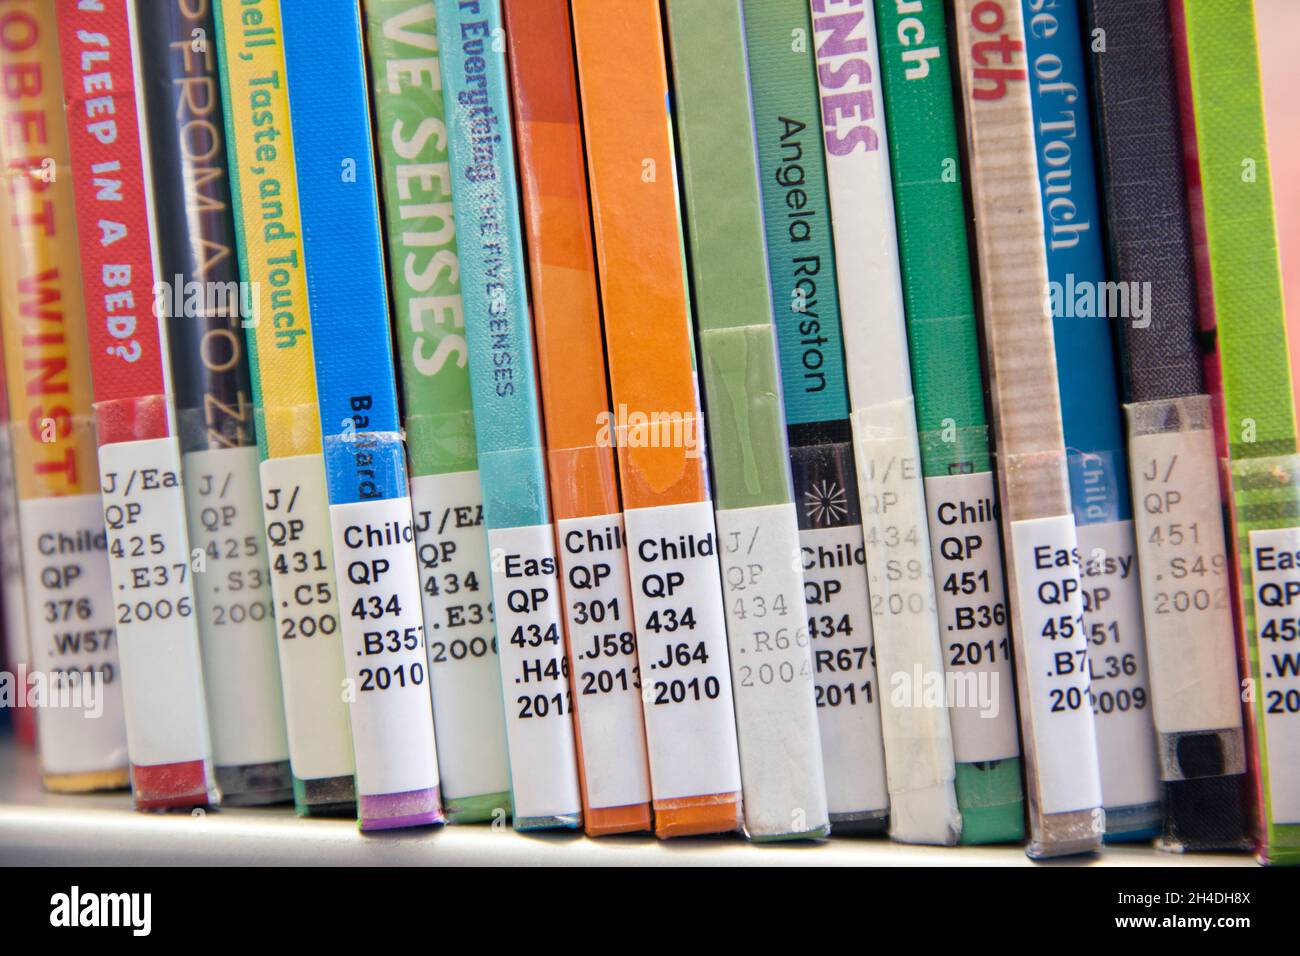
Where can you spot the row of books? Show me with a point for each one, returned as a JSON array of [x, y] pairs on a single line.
[[352, 355]]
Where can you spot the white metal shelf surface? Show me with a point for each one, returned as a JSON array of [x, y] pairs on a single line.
[[39, 828]]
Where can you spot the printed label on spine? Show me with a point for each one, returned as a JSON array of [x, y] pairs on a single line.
[[73, 640], [844, 666], [383, 646], [606, 673], [1117, 663], [534, 671], [839, 627], [972, 600], [1275, 577], [1183, 565], [1056, 664], [900, 581], [233, 592], [157, 629], [464, 668], [772, 670], [682, 644], [295, 507]]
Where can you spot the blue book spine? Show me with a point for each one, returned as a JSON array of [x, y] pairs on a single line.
[[370, 509]]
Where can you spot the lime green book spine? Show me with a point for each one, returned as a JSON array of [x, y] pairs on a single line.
[[1258, 406]]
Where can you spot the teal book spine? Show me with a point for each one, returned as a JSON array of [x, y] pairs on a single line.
[[507, 419]]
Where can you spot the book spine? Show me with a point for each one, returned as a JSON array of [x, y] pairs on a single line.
[[909, 656], [59, 616], [516, 504], [1042, 551], [1200, 742], [294, 500], [801, 266], [672, 542], [943, 341], [446, 490], [758, 532], [1081, 302], [139, 455], [612, 762], [1226, 106], [199, 297], [382, 624]]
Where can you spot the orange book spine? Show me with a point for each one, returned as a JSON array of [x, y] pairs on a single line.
[[656, 423], [612, 763]]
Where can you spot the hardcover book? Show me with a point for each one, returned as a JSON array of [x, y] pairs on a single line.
[[1083, 307], [199, 297], [919, 757], [805, 300], [1232, 195], [58, 600]]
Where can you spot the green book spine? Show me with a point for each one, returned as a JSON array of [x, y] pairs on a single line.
[[776, 720], [801, 261], [943, 345], [420, 235], [1258, 405], [446, 494]]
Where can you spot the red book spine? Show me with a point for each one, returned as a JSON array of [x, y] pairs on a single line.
[[168, 739], [113, 223]]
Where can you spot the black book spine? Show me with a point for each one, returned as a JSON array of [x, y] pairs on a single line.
[[198, 284], [1206, 791], [1135, 92]]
